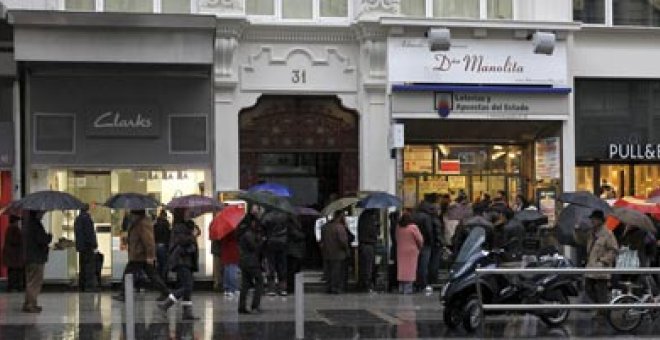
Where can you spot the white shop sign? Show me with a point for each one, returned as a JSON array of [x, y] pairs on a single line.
[[649, 152], [475, 61]]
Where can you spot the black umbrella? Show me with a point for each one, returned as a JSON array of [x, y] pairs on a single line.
[[268, 200], [572, 217], [585, 199], [379, 200], [531, 216], [197, 203], [131, 201], [46, 201]]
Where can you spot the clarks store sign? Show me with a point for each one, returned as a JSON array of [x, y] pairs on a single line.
[[480, 61], [136, 122], [650, 152]]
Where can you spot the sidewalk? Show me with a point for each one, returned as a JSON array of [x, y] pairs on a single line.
[[351, 316]]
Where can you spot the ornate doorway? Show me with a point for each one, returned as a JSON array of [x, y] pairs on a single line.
[[307, 142]]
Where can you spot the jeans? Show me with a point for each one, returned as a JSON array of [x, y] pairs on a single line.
[[230, 278], [434, 264], [367, 261], [161, 260], [87, 275], [423, 267], [251, 277], [185, 282], [276, 257]]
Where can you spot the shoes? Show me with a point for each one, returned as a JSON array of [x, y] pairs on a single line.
[[162, 297], [188, 314], [243, 311], [428, 289], [120, 298], [33, 309], [271, 293], [283, 293], [229, 295], [257, 311], [167, 303]]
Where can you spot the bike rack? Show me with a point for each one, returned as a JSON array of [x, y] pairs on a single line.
[[566, 271]]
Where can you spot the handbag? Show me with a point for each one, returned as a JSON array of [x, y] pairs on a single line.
[[627, 258]]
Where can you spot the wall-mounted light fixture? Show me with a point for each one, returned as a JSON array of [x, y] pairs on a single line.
[[439, 39], [544, 42]]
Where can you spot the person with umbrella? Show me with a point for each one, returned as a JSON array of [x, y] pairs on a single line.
[[86, 245], [428, 221], [368, 231], [36, 242], [184, 260], [276, 227], [251, 240], [335, 247], [602, 249], [142, 253], [14, 256]]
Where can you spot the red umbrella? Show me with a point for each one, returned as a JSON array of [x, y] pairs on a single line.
[[225, 222], [639, 205]]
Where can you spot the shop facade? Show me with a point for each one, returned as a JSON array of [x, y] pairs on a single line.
[[487, 115], [94, 127]]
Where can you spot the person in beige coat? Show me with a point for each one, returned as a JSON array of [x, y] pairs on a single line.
[[602, 248]]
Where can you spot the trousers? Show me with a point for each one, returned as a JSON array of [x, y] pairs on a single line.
[[34, 275]]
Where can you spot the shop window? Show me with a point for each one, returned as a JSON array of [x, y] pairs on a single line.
[[418, 159], [143, 6], [260, 7], [413, 8], [647, 179], [584, 178], [456, 9], [614, 181], [500, 9], [636, 12], [297, 9], [54, 133], [589, 11], [175, 6], [334, 8], [80, 5], [188, 134]]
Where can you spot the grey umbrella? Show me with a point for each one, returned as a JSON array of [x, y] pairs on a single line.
[[268, 200], [634, 218], [531, 216], [339, 204], [585, 199], [572, 217], [131, 201], [47, 200]]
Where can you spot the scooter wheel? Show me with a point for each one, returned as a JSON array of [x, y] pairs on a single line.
[[452, 315], [472, 313], [555, 318]]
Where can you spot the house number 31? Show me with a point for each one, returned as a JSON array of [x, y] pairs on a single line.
[[299, 76]]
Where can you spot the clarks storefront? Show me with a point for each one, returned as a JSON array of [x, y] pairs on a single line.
[[485, 116], [98, 128]]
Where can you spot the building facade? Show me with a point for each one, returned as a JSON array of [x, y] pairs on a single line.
[[314, 94]]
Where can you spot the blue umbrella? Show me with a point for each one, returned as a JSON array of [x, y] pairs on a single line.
[[274, 188], [379, 200]]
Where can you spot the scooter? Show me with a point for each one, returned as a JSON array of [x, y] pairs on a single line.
[[459, 295]]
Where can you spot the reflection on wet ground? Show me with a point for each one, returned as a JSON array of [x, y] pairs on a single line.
[[88, 316]]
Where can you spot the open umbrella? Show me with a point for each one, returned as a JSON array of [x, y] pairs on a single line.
[[225, 222], [380, 200], [339, 204], [572, 217], [131, 201], [640, 205], [10, 209], [305, 211], [634, 218], [268, 200], [197, 203], [585, 199], [45, 201], [274, 188], [530, 216]]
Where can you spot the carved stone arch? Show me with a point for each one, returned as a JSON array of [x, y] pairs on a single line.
[[300, 124]]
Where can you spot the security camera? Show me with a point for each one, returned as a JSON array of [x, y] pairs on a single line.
[[544, 42], [439, 39]]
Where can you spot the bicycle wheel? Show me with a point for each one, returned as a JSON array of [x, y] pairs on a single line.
[[625, 319]]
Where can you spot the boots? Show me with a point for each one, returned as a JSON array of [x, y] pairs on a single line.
[[166, 304], [188, 314]]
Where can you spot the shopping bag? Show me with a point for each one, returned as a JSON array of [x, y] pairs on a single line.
[[627, 258]]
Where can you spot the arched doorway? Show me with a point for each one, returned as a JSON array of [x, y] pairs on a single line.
[[309, 143]]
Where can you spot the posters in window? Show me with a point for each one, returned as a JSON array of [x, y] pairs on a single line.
[[548, 158]]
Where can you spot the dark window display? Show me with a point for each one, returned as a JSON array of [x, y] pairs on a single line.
[[589, 11], [636, 12]]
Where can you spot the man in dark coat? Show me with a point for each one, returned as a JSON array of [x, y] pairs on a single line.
[[368, 230], [250, 242], [276, 228], [86, 246], [335, 247], [36, 242], [14, 256], [428, 221]]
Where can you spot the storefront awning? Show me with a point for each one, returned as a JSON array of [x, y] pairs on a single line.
[[480, 89]]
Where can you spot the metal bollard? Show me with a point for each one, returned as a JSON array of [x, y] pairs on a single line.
[[130, 307], [300, 305]]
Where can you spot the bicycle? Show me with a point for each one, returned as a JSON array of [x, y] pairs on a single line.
[[628, 319]]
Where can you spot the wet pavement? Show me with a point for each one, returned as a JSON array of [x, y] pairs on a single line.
[[351, 316]]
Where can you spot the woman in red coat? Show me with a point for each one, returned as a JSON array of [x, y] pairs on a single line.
[[409, 241], [230, 256]]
